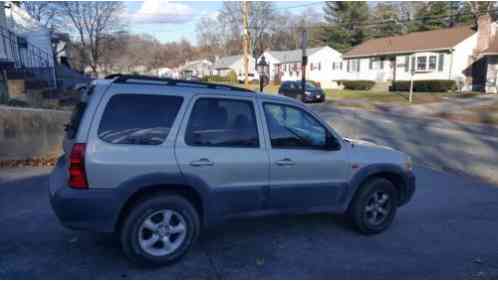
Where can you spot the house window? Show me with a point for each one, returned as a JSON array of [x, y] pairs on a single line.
[[441, 62], [355, 65], [319, 66], [421, 63], [333, 65], [340, 65], [432, 62]]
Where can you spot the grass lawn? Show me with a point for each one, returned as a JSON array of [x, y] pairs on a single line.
[[270, 89]]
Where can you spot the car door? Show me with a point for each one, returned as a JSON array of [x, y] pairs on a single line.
[[308, 163], [220, 148], [283, 89], [292, 90]]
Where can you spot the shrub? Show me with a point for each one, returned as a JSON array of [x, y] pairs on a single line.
[[425, 85], [363, 85], [230, 78]]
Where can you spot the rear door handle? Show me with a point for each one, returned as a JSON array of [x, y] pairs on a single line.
[[285, 162], [201, 162]]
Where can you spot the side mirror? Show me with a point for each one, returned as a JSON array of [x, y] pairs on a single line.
[[332, 143]]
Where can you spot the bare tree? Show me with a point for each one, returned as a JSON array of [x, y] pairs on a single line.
[[261, 17], [48, 13], [92, 21]]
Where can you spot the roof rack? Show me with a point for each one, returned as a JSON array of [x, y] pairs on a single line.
[[125, 78]]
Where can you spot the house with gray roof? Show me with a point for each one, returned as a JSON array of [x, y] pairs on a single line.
[[322, 62], [224, 65]]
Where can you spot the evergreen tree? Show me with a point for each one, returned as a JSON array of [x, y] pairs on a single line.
[[431, 15], [386, 20], [345, 24]]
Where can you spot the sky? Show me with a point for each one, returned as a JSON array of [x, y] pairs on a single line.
[[170, 21]]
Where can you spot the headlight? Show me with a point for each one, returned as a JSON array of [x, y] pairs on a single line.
[[408, 165], [307, 93]]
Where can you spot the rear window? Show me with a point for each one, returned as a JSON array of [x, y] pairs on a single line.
[[138, 119], [78, 111]]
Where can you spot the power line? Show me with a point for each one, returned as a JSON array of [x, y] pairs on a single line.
[[394, 21], [299, 6]]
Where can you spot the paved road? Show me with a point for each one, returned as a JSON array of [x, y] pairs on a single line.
[[447, 231], [462, 148]]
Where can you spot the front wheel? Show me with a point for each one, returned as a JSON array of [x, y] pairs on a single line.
[[374, 207], [160, 230]]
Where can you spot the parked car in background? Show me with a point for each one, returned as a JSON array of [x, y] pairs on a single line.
[[158, 160], [293, 89]]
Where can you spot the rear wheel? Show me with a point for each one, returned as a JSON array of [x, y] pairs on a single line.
[[374, 207], [160, 230]]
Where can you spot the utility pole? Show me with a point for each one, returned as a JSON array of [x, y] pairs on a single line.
[[304, 61], [245, 11]]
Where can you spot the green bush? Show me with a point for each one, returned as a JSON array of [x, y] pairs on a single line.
[[424, 86], [357, 85], [230, 78]]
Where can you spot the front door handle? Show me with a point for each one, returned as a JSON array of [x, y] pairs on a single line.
[[285, 162], [201, 162]]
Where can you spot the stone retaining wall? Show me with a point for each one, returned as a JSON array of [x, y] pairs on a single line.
[[29, 133]]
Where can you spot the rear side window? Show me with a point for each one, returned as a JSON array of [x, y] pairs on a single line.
[[222, 122], [138, 119]]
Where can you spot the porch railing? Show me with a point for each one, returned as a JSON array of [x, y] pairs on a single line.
[[26, 60]]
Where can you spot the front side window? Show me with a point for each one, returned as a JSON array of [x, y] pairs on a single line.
[[138, 119], [222, 123], [291, 127]]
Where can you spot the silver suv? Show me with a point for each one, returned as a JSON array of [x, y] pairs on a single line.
[[157, 160]]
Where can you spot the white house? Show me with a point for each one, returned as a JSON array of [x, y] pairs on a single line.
[[321, 67], [163, 72], [198, 68], [25, 48], [442, 54], [224, 65]]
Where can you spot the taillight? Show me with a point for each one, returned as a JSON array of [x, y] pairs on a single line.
[[77, 174]]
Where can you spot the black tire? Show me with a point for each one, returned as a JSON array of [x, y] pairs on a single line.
[[366, 196], [130, 231]]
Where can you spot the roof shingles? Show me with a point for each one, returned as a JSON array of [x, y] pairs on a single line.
[[440, 39]]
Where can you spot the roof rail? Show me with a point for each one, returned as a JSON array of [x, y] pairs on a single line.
[[124, 78]]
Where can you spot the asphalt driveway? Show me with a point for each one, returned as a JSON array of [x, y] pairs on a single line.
[[449, 230]]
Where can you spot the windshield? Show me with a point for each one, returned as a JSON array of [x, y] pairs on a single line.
[[309, 85]]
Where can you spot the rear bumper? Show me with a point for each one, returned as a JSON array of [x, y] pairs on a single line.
[[314, 98], [90, 209]]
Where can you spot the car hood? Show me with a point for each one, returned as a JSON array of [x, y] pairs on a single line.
[[368, 152]]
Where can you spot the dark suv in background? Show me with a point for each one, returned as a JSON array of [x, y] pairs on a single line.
[[294, 89]]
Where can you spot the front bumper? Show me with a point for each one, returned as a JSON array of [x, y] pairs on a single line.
[[89, 209]]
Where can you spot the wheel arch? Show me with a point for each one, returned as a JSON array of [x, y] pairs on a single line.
[[390, 172], [140, 188]]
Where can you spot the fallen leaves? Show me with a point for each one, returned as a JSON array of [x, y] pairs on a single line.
[[32, 162]]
